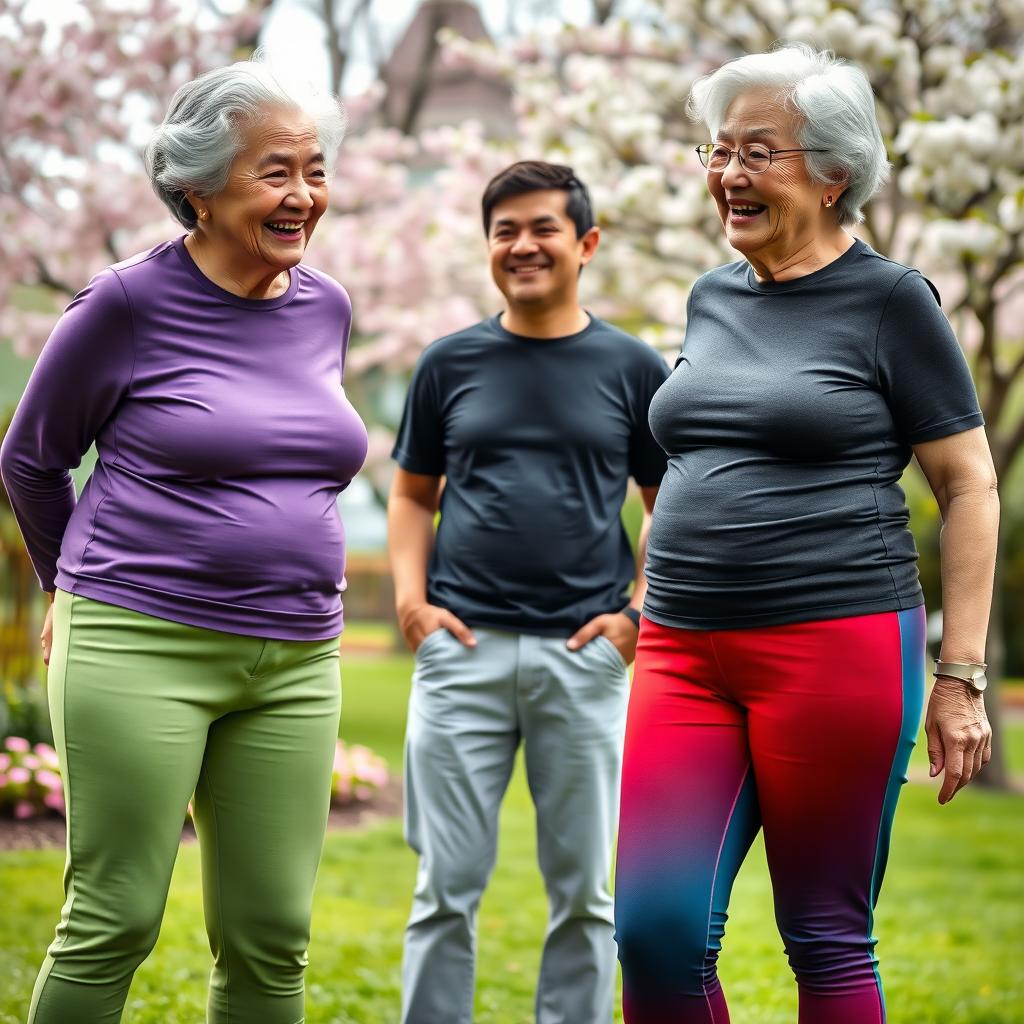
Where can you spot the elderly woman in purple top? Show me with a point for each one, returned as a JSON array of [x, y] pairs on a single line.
[[195, 585]]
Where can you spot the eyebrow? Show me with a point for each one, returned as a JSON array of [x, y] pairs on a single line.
[[286, 158], [754, 133], [545, 218]]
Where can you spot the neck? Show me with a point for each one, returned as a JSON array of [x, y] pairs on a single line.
[[803, 260], [545, 323], [223, 271]]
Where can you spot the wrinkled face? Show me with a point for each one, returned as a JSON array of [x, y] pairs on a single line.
[[774, 214], [275, 194], [534, 252]]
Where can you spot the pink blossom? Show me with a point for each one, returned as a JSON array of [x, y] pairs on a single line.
[[24, 809], [5, 761], [3, 782], [30, 761], [49, 780], [17, 744], [55, 801], [19, 776]]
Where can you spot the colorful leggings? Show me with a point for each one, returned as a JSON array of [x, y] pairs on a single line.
[[145, 712], [804, 730]]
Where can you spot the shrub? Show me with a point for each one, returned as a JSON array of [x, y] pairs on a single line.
[[30, 783]]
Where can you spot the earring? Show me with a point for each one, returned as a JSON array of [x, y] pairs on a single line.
[[203, 214], [828, 202]]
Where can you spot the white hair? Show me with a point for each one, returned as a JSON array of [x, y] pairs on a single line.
[[836, 109], [202, 132]]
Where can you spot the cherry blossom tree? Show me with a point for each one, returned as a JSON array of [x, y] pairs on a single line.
[[78, 101]]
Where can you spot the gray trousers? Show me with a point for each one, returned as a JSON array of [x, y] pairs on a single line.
[[468, 711]]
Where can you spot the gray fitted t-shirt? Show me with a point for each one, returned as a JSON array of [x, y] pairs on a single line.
[[537, 438], [788, 421]]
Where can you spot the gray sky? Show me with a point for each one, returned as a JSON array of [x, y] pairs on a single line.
[[293, 34]]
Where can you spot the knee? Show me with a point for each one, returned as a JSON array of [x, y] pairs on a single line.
[[119, 937], [665, 944], [831, 965], [453, 884]]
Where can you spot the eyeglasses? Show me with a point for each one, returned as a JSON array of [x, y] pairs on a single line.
[[752, 157]]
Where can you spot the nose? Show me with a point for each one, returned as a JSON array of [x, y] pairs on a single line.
[[299, 196], [735, 175], [523, 244]]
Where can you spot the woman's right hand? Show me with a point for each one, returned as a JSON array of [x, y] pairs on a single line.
[[46, 637], [416, 622]]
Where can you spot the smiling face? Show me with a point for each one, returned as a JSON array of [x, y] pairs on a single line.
[[535, 255], [262, 220], [774, 216]]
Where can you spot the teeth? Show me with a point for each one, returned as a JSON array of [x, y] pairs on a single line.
[[285, 226], [519, 270], [744, 210]]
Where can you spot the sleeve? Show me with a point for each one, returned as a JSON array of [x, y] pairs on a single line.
[[921, 368], [419, 447], [647, 460], [78, 380]]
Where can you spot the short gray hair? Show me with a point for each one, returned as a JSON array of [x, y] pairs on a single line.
[[836, 107], [202, 132]]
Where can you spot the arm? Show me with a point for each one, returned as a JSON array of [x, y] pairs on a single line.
[[960, 473], [616, 626], [77, 383], [412, 505]]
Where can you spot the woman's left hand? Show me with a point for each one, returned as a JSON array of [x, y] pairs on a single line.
[[959, 735]]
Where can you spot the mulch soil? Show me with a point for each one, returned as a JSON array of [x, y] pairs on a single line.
[[47, 832]]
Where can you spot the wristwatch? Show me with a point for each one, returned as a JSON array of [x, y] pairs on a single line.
[[973, 674], [632, 614]]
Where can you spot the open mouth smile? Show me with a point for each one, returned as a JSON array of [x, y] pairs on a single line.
[[288, 230], [745, 212]]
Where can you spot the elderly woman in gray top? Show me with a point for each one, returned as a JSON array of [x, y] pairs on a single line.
[[780, 677], [196, 584]]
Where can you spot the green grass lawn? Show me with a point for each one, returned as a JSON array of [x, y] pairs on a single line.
[[950, 921]]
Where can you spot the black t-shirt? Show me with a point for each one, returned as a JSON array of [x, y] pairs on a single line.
[[788, 421], [536, 438]]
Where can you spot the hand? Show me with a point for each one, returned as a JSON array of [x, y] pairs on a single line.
[[418, 620], [959, 736], [46, 637], [616, 627]]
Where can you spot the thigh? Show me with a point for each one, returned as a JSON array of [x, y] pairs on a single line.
[[461, 739], [264, 792], [572, 710], [130, 709], [834, 707], [689, 808]]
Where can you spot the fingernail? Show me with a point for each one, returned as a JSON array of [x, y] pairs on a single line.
[[571, 644]]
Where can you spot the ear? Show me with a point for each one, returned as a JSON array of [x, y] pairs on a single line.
[[835, 190], [589, 243], [197, 204]]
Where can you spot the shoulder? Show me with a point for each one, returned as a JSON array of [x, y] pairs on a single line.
[[450, 346], [728, 277], [141, 266], [633, 350], [323, 285], [893, 279]]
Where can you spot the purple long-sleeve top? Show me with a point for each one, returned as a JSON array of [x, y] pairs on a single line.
[[224, 437]]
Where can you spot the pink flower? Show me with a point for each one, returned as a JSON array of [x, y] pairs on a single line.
[[30, 761], [19, 776], [55, 801], [5, 762], [23, 809], [49, 780], [17, 743], [3, 781]]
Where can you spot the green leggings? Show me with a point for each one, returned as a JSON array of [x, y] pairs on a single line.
[[145, 712]]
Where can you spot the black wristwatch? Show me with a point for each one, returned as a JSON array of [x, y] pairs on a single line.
[[632, 614], [972, 674]]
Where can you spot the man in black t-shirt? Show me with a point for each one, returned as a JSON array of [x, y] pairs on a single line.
[[518, 607]]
